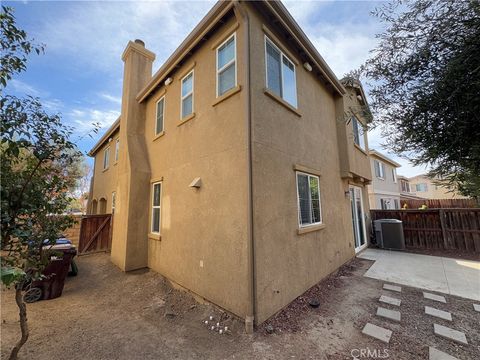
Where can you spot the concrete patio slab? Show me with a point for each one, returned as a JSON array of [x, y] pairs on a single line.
[[389, 300], [450, 334], [377, 332], [476, 307], [392, 287], [389, 314], [445, 315], [434, 297], [434, 354], [434, 273]]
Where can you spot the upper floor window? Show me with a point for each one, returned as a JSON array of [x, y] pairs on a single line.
[[379, 169], [405, 186], [308, 192], [117, 149], [160, 115], [358, 133], [187, 95], [106, 158], [394, 175], [156, 207], [280, 70], [226, 66], [421, 187]]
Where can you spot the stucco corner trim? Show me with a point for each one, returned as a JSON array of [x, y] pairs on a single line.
[[186, 71], [225, 34], [228, 94], [308, 229], [159, 135], [308, 170], [186, 119], [156, 237], [278, 99], [359, 148]]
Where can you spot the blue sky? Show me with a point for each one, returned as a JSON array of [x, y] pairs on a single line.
[[80, 74]]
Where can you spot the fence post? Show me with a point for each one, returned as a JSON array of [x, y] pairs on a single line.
[[441, 213]]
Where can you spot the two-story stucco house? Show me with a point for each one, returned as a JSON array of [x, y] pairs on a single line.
[[384, 191], [233, 170], [425, 187]]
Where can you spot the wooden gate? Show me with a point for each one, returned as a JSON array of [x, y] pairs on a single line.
[[95, 233]]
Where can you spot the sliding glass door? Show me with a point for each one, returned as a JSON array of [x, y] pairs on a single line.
[[358, 218]]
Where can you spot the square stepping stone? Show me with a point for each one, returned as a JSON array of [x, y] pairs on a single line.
[[389, 300], [392, 287], [450, 334], [445, 315], [377, 332], [434, 354], [476, 307], [434, 297], [389, 314]]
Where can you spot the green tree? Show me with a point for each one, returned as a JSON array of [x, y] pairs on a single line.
[[37, 158], [425, 85]]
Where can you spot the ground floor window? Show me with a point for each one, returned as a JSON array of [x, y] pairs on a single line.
[[308, 193], [156, 207]]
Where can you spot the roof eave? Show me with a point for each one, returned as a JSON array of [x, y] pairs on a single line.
[[101, 141]]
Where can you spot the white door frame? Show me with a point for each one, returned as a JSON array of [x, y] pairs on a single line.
[[355, 218]]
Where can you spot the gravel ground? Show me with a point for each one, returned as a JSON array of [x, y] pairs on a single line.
[[106, 314]]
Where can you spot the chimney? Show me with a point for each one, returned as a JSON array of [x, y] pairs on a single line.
[[130, 230]]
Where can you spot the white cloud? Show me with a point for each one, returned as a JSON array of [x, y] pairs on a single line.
[[83, 120], [114, 99], [25, 89]]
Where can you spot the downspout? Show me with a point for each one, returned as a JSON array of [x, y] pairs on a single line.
[[251, 307]]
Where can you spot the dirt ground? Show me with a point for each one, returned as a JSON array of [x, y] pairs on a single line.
[[106, 314]]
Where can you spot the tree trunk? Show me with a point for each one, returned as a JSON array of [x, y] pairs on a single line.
[[23, 322]]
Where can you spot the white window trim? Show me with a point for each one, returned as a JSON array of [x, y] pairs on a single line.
[[156, 207], [233, 61], [187, 95], [117, 149], [299, 211], [163, 115], [381, 170], [282, 54], [106, 164], [394, 175]]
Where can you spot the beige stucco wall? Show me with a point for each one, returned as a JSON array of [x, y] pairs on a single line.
[[204, 231], [104, 181], [287, 264], [354, 161], [433, 191]]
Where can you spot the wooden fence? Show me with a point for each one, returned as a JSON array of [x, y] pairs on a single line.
[[447, 229], [439, 203], [95, 233]]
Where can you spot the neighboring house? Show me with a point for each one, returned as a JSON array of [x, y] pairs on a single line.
[[384, 191], [426, 187], [233, 170], [405, 189]]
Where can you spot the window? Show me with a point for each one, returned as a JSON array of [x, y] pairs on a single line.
[[114, 195], [405, 186], [187, 95], [421, 187], [379, 169], [358, 133], [280, 72], [106, 158], [156, 207], [394, 175], [226, 66], [397, 204], [160, 115], [308, 192], [117, 149], [385, 204]]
